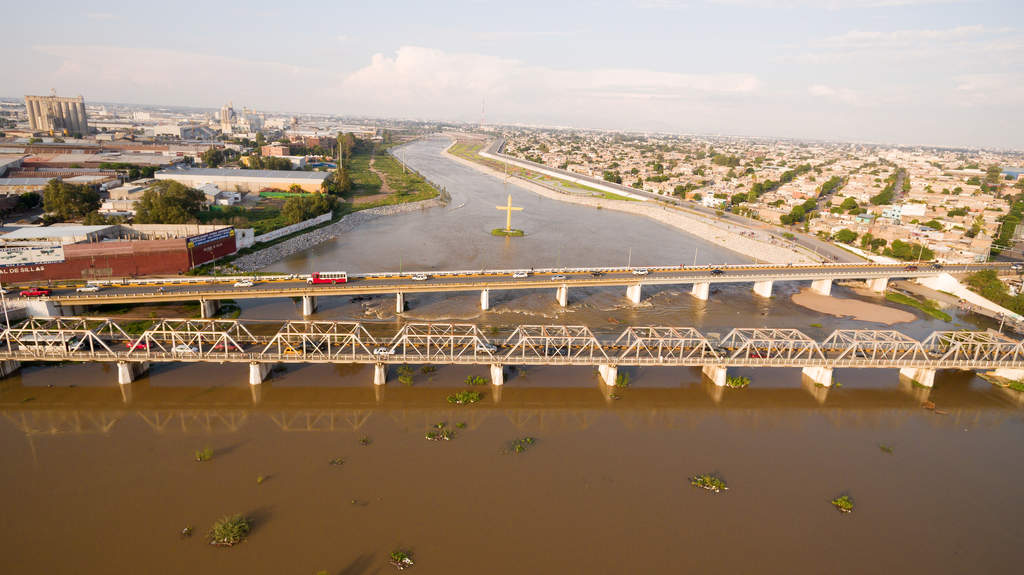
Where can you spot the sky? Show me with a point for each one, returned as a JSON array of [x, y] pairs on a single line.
[[930, 72]]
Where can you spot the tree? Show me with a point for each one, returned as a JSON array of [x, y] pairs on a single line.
[[297, 209], [846, 236], [992, 174], [848, 204], [933, 224], [69, 201], [612, 176], [295, 189], [213, 157], [169, 202]]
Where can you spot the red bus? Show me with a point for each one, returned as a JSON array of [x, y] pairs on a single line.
[[327, 278]]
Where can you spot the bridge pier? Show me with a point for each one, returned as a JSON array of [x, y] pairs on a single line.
[[129, 371], [562, 295], [9, 366], [308, 305], [633, 293], [878, 285], [923, 376], [399, 302], [485, 300], [701, 291], [609, 373], [763, 289], [819, 375], [259, 372], [42, 308], [716, 373], [823, 287], [497, 374], [208, 308], [380, 374]]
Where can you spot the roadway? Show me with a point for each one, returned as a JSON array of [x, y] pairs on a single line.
[[213, 288]]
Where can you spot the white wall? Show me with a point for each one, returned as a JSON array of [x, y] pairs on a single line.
[[280, 232]]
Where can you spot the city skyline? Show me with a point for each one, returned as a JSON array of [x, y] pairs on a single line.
[[918, 72]]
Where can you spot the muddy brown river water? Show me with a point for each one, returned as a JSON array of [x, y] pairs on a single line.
[[102, 480]]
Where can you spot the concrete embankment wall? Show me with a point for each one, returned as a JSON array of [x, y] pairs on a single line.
[[277, 252], [677, 218]]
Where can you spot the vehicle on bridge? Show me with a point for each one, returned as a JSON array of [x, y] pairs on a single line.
[[49, 342], [88, 289], [35, 292], [328, 278], [420, 277], [640, 272], [517, 275], [244, 284]]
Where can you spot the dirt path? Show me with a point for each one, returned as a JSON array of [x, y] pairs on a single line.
[[385, 189]]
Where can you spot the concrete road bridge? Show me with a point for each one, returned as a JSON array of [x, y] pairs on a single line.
[[86, 339], [210, 290]]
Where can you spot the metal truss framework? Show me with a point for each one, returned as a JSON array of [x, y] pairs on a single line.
[[102, 339]]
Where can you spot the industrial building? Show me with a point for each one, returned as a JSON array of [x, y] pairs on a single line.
[[57, 114], [245, 180], [40, 253]]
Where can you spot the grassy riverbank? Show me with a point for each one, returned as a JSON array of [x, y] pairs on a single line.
[[927, 306]]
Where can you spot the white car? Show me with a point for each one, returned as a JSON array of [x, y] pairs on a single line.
[[182, 348], [559, 277], [244, 283], [88, 289], [640, 272], [383, 351], [420, 277], [520, 275], [486, 347]]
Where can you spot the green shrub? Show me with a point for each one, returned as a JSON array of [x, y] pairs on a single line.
[[843, 504], [464, 397], [475, 380], [204, 454], [736, 381]]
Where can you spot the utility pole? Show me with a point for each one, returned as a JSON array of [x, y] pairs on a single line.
[[629, 259]]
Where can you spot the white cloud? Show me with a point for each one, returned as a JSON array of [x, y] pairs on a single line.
[[100, 16], [833, 4]]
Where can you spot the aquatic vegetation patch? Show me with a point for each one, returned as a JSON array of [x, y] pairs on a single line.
[[710, 482], [440, 432], [401, 559], [622, 380], [260, 479], [428, 369], [229, 530], [507, 233], [886, 449], [475, 380], [187, 531], [364, 441], [460, 425], [843, 504], [737, 381], [405, 374], [522, 444], [464, 397], [337, 461], [204, 454]]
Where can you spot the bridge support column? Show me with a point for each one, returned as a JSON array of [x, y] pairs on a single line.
[[878, 285], [9, 366], [609, 373], [42, 308], [308, 305], [716, 373], [763, 289], [824, 287], [129, 371], [485, 299], [633, 293], [380, 374], [208, 308], [497, 374], [258, 372], [399, 302], [562, 295], [819, 375], [1003, 372], [920, 375], [701, 291]]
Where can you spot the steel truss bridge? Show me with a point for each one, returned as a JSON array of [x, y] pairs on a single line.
[[95, 339]]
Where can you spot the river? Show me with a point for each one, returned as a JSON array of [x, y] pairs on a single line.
[[102, 480]]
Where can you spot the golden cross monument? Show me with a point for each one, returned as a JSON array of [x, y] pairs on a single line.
[[508, 208]]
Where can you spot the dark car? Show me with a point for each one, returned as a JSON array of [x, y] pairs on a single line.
[[910, 268], [717, 272], [597, 274], [937, 266]]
